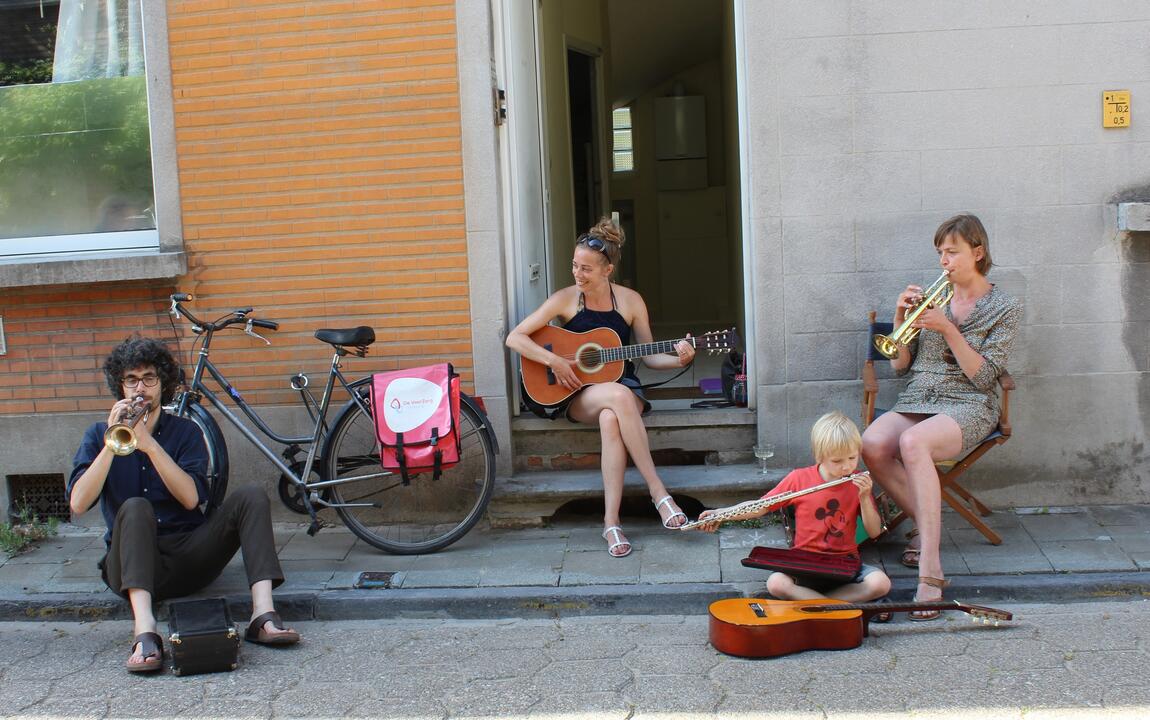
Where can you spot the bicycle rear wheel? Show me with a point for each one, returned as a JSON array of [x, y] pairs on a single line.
[[423, 516], [217, 471]]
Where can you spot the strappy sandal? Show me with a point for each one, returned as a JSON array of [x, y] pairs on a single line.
[[675, 512], [617, 540], [911, 554], [924, 615], [151, 649], [256, 633]]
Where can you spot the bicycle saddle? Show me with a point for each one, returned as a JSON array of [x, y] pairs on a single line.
[[361, 336]]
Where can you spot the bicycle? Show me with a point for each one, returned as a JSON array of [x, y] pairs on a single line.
[[342, 463]]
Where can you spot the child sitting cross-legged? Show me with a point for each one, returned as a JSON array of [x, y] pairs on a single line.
[[825, 520]]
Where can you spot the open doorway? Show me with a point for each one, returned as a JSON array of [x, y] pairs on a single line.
[[670, 64]]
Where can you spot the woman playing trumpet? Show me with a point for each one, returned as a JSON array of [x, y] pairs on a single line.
[[951, 401]]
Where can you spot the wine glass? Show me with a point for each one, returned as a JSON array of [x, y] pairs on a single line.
[[764, 452]]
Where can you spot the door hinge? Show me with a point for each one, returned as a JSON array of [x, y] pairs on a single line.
[[500, 98]]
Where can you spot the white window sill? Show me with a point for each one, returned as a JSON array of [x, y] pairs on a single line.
[[92, 267]]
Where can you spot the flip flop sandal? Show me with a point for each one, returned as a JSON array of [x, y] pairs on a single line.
[[675, 512], [152, 650], [927, 615], [911, 555], [616, 541], [256, 634]]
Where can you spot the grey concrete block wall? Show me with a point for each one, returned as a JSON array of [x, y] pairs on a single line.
[[870, 123]]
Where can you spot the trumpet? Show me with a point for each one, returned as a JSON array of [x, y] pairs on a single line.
[[937, 295], [121, 437]]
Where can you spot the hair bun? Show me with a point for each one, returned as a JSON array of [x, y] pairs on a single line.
[[608, 231]]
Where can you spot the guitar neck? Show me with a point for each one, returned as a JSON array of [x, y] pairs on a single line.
[[874, 608], [629, 352]]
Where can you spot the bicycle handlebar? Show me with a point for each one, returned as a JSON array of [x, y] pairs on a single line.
[[238, 316]]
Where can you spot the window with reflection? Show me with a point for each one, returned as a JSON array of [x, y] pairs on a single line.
[[75, 152]]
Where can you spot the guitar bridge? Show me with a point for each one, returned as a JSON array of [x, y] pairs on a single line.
[[550, 373]]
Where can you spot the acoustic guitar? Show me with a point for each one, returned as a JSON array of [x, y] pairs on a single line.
[[749, 627], [599, 357]]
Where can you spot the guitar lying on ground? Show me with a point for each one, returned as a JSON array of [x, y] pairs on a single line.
[[599, 355], [749, 627]]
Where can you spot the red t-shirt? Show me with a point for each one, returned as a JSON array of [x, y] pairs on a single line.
[[825, 520]]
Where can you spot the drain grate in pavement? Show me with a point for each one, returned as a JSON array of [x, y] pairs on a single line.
[[373, 580]]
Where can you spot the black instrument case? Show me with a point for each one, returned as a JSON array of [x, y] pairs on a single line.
[[202, 637]]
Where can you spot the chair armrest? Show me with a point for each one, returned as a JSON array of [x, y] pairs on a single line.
[[1007, 383], [1006, 380]]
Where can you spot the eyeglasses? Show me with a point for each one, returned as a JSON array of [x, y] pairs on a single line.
[[147, 380], [595, 243]]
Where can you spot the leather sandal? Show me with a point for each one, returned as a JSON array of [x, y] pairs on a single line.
[[617, 540], [885, 616], [675, 513], [257, 634], [151, 649], [911, 554], [924, 615]]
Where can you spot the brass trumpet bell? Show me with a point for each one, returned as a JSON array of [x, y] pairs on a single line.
[[937, 295], [121, 437]]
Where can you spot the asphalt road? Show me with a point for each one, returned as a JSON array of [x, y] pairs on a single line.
[[1078, 660]]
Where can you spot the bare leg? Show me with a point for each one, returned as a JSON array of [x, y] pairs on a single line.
[[614, 464], [881, 453], [784, 587], [586, 408], [143, 619], [872, 587], [935, 438], [262, 603]]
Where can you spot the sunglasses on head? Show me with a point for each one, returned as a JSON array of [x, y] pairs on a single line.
[[595, 243]]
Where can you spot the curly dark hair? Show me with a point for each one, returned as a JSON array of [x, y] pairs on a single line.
[[135, 352]]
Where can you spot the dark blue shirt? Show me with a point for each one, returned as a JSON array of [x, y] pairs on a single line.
[[134, 476]]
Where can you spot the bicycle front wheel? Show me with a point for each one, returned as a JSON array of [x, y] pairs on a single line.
[[422, 516]]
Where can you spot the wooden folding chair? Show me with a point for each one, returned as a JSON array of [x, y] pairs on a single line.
[[955, 495]]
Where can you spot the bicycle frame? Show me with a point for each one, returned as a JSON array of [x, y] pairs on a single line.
[[198, 389]]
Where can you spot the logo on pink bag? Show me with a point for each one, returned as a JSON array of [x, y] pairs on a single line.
[[410, 402]]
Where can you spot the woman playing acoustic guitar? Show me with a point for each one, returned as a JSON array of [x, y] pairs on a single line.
[[618, 407]]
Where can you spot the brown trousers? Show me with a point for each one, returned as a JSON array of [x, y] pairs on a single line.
[[180, 564]]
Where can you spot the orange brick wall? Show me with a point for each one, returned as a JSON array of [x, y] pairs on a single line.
[[321, 178]]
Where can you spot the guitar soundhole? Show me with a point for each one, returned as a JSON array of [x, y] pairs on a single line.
[[588, 358]]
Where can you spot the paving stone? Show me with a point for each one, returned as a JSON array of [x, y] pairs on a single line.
[[525, 564], [1110, 515], [1018, 553], [445, 571], [326, 545], [1062, 526], [679, 559], [588, 568], [1086, 555]]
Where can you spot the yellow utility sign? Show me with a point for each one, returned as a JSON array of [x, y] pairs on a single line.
[[1116, 108]]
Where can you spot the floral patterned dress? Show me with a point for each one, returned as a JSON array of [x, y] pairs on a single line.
[[938, 385]]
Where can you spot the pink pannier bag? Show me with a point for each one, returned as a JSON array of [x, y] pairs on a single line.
[[416, 414]]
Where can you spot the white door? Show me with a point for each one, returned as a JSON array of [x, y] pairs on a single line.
[[524, 180]]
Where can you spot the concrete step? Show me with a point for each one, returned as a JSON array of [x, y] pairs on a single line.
[[714, 436], [529, 499]]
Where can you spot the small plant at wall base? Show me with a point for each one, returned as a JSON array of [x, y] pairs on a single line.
[[24, 530]]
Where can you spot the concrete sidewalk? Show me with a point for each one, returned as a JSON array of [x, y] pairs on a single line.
[[1048, 554]]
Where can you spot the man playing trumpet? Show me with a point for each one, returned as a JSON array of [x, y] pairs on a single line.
[[150, 490], [951, 401]]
